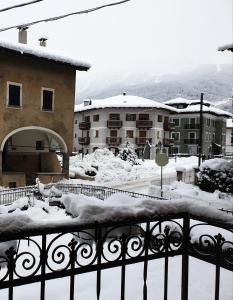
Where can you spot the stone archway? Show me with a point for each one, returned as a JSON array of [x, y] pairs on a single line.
[[30, 152]]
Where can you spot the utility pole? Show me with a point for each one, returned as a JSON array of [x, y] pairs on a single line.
[[200, 132]]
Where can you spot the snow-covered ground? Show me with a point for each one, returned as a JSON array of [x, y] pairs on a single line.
[[115, 171]]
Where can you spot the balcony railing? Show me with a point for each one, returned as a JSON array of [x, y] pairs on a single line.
[[168, 142], [39, 254], [143, 141], [84, 140], [191, 126], [114, 141], [169, 126], [191, 141], [114, 124], [144, 124], [84, 125]]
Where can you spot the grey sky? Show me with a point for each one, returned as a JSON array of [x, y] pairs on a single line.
[[142, 36]]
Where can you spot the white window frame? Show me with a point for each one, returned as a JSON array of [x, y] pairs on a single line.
[[41, 105], [21, 93]]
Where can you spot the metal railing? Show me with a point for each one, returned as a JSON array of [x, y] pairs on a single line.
[[69, 250], [8, 196]]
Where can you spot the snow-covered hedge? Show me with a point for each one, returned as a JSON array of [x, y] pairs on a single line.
[[128, 154], [216, 174]]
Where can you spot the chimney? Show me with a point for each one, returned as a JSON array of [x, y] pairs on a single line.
[[22, 36], [43, 41]]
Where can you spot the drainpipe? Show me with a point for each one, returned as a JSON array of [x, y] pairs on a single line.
[[65, 164], [200, 132]]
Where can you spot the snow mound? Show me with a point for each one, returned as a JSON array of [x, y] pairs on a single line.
[[217, 164]]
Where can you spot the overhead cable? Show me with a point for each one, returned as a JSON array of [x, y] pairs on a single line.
[[19, 5], [63, 16]]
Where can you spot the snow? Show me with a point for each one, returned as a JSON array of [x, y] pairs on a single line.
[[206, 109], [42, 52], [184, 101], [123, 101], [217, 164], [136, 102], [114, 171], [229, 123], [226, 47], [115, 208]]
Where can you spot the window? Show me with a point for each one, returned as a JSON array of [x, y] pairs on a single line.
[[114, 117], [130, 117], [192, 135], [129, 134], [97, 133], [14, 94], [39, 145], [208, 122], [96, 118], [160, 118], [76, 122], [75, 135], [176, 122], [175, 136], [144, 117], [47, 99]]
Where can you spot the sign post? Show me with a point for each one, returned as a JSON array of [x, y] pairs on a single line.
[[161, 160]]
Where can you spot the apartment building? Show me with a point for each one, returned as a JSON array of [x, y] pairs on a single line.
[[186, 123], [113, 122], [229, 137], [37, 92]]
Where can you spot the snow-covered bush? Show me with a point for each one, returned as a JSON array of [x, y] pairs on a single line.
[[128, 154], [216, 174]]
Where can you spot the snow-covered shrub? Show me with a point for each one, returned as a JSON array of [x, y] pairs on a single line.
[[216, 174], [128, 154]]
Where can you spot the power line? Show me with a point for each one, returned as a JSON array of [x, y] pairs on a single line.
[[20, 5], [64, 16]]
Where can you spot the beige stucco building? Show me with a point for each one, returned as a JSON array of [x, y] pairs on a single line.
[[37, 93]]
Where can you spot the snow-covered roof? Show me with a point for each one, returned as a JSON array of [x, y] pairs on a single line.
[[206, 109], [43, 53], [229, 123], [226, 47], [123, 101], [184, 101]]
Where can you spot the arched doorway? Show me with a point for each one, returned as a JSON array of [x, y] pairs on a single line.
[[31, 152]]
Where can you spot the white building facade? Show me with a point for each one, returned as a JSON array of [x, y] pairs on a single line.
[[114, 122]]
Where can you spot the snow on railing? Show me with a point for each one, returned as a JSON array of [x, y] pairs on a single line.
[[60, 250]]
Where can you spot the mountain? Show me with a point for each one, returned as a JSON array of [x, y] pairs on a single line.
[[215, 83]]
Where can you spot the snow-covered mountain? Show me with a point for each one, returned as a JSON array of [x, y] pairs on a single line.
[[215, 83]]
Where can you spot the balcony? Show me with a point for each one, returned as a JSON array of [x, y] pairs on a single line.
[[180, 241], [84, 125], [168, 142], [191, 141], [191, 126], [84, 140], [113, 141], [114, 124], [168, 126], [143, 141], [144, 124]]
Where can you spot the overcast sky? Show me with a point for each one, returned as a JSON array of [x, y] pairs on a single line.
[[142, 36]]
